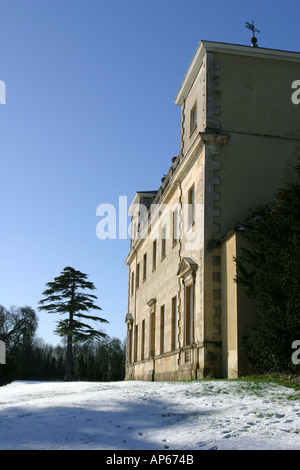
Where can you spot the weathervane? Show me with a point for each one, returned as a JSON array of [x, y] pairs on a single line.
[[253, 29]]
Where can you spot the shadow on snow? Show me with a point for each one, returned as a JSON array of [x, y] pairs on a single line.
[[146, 424]]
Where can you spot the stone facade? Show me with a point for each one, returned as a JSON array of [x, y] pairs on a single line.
[[239, 144]]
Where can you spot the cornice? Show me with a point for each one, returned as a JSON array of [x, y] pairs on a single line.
[[194, 151]]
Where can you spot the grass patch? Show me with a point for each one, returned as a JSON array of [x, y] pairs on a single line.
[[285, 380]]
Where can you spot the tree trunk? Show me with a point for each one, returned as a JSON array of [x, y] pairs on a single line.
[[69, 360], [69, 356]]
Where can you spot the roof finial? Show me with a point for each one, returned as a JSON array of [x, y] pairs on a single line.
[[253, 29]]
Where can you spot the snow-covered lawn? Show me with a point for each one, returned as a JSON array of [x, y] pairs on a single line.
[[148, 415]]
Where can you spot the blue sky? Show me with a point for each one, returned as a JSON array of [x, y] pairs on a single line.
[[90, 116]]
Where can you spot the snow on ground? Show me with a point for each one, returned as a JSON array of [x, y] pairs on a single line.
[[148, 415]]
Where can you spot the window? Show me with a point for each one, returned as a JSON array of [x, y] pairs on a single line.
[[133, 235], [191, 206], [136, 342], [189, 314], [163, 242], [193, 119], [130, 345], [175, 231], [154, 255], [132, 282], [143, 341], [174, 321], [152, 333], [162, 329], [145, 267], [137, 280]]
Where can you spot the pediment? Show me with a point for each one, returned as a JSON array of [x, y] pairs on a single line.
[[186, 266], [151, 302]]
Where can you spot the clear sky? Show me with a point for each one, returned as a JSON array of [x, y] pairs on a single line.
[[89, 117]]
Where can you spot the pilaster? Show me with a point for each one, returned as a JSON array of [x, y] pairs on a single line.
[[212, 255]]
